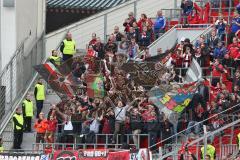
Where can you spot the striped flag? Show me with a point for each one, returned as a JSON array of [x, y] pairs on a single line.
[[194, 72]]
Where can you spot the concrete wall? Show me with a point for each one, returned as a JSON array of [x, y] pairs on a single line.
[[8, 34], [24, 21]]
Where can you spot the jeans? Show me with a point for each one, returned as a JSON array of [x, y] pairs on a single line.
[[119, 128], [135, 136], [190, 126], [39, 104]]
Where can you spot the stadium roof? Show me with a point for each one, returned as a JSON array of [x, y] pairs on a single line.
[[84, 4]]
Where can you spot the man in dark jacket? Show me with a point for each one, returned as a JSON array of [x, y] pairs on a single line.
[[99, 48], [18, 129]]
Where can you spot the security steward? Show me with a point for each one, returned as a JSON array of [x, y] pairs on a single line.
[[55, 59], [39, 94], [211, 151], [68, 47], [1, 145], [18, 128], [27, 108]]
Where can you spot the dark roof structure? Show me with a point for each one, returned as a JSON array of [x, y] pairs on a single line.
[[84, 4]]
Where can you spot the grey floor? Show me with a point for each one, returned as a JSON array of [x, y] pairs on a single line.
[[29, 138]]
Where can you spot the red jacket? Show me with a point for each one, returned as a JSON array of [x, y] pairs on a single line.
[[217, 70], [142, 22], [52, 125], [234, 51]]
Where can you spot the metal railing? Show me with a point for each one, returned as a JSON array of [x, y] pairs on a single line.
[[16, 77], [169, 39], [231, 120], [100, 140]]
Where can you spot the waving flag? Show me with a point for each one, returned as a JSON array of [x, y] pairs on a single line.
[[61, 84], [95, 86], [174, 101]]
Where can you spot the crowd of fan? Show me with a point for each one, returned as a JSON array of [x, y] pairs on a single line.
[[82, 115]]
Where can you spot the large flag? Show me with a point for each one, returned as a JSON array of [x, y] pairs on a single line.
[[61, 84], [143, 73], [194, 72], [172, 102], [95, 86]]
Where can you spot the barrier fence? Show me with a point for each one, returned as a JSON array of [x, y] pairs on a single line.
[[16, 76]]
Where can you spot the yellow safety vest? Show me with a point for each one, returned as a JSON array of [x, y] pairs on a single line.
[[56, 59], [69, 47], [1, 149], [40, 92], [210, 151], [28, 108], [238, 137], [19, 118]]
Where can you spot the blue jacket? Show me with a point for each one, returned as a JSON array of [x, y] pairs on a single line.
[[219, 52], [221, 28], [235, 27], [160, 23]]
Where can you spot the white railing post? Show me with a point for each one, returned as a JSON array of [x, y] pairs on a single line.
[[105, 28], [205, 141]]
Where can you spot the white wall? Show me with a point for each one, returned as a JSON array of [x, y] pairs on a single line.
[[16, 24], [8, 34]]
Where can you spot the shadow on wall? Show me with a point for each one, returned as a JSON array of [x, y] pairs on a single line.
[[59, 18]]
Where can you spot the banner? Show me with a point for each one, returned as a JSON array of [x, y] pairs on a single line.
[[93, 154], [120, 155], [141, 154], [65, 155], [22, 156], [98, 154]]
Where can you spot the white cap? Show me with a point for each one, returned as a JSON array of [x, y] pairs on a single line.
[[183, 39]]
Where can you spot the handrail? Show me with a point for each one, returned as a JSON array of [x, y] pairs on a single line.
[[209, 29], [195, 125], [5, 121], [14, 55]]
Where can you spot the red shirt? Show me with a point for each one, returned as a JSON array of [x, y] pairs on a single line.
[[106, 126], [217, 72], [52, 125], [234, 51]]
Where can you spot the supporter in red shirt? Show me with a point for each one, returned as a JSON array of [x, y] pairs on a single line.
[[51, 129], [129, 22], [217, 70], [91, 52], [194, 17], [142, 22], [93, 40], [187, 58], [233, 48], [108, 122]]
